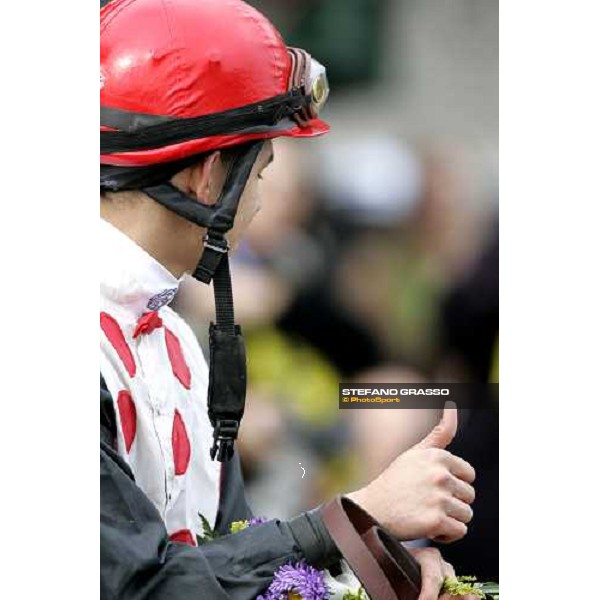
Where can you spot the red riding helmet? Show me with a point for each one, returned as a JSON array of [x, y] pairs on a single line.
[[185, 77]]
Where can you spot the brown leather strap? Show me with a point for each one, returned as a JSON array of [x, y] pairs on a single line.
[[401, 569], [346, 523]]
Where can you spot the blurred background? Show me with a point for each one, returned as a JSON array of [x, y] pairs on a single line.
[[375, 256]]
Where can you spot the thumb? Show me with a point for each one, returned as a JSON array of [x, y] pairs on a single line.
[[443, 433]]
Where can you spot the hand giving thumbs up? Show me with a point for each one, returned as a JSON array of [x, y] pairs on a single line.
[[426, 491]]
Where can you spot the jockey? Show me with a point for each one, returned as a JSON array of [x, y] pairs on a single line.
[[192, 93]]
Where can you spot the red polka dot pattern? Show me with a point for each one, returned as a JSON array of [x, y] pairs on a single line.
[[115, 336], [184, 536], [181, 445], [178, 364], [128, 416]]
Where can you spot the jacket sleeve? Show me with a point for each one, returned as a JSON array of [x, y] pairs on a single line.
[[138, 562]]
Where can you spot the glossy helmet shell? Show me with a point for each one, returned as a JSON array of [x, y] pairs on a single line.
[[190, 58]]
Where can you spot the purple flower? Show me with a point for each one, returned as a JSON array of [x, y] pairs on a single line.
[[299, 580], [257, 521]]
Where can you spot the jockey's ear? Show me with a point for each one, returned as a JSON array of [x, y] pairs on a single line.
[[203, 180]]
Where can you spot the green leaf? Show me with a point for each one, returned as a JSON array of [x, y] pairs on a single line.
[[208, 534]]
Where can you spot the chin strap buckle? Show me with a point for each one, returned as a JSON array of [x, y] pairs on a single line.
[[224, 435], [216, 241], [215, 248]]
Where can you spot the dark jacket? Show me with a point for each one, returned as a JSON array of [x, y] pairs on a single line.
[[139, 562]]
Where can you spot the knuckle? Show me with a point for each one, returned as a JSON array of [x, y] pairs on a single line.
[[437, 476], [432, 454], [440, 455], [440, 502], [444, 478], [437, 522], [449, 498]]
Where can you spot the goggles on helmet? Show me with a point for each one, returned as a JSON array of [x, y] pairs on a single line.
[[310, 77]]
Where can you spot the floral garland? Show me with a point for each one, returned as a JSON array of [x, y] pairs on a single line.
[[300, 581]]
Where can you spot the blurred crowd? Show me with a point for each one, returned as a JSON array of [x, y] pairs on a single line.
[[374, 258]]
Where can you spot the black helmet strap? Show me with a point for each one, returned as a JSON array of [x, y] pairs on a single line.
[[227, 378]]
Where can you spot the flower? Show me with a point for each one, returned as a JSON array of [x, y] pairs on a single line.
[[459, 586], [359, 594], [297, 582], [238, 526]]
